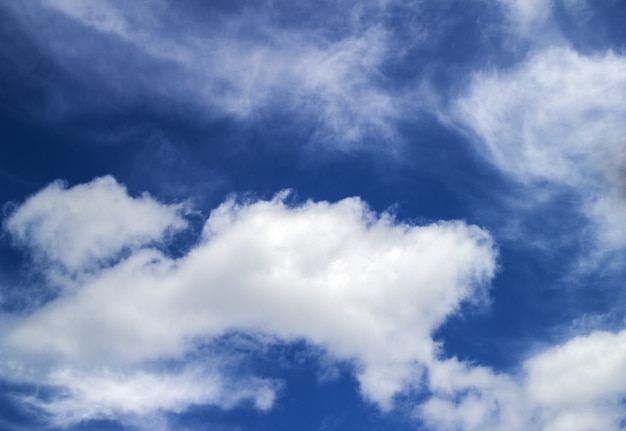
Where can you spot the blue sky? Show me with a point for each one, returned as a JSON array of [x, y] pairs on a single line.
[[337, 215]]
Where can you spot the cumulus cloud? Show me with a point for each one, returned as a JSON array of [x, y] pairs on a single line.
[[468, 397], [557, 118], [581, 384], [362, 286], [578, 385], [81, 227]]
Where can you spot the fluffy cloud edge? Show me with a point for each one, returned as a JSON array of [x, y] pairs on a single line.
[[576, 385], [360, 285], [81, 228], [553, 124]]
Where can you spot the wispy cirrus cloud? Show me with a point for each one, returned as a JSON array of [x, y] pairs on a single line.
[[140, 397], [556, 119], [327, 74]]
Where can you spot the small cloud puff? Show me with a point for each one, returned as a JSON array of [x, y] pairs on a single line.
[[80, 228]]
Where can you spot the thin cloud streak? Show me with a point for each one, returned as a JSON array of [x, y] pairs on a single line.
[[243, 66]]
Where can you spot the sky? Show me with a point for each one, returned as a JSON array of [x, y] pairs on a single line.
[[332, 215]]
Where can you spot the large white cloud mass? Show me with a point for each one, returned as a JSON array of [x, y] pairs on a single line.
[[364, 287]]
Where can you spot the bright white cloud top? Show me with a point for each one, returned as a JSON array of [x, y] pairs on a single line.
[[574, 386], [362, 286], [83, 227]]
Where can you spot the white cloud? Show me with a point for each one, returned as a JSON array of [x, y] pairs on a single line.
[[579, 385], [526, 15], [547, 117], [557, 117], [242, 65], [585, 369], [534, 23], [135, 396], [362, 286], [466, 397], [81, 227]]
